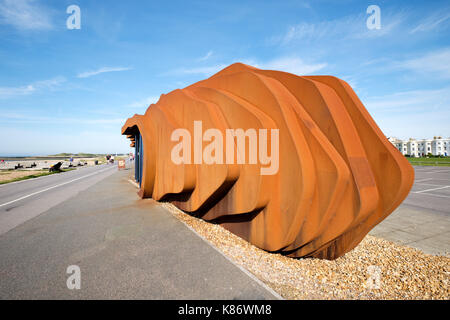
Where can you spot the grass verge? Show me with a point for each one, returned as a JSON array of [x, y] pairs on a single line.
[[438, 162], [31, 176]]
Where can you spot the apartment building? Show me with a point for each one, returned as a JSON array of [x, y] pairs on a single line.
[[437, 146]]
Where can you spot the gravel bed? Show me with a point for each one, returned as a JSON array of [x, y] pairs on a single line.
[[375, 269]]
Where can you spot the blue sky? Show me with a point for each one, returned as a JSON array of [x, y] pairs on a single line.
[[67, 90]]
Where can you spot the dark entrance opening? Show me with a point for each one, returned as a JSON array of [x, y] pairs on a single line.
[[139, 159]]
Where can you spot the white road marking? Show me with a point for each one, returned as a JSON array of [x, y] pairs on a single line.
[[432, 189], [423, 180], [58, 185], [429, 172], [435, 195]]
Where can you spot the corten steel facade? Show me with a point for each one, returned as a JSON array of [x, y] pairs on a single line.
[[338, 174]]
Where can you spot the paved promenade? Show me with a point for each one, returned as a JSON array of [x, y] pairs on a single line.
[[423, 220], [126, 248], [23, 200]]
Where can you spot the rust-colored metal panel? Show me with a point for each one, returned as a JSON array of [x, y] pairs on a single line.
[[337, 175]]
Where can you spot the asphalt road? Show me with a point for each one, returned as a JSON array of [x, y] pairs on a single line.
[[124, 247], [422, 221], [431, 189], [23, 200]]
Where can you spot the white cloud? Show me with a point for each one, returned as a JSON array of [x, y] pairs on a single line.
[[6, 92], [24, 15], [351, 80], [291, 64], [102, 70], [26, 118], [436, 62], [98, 121], [414, 113], [308, 31], [206, 71], [432, 22], [410, 101], [100, 135], [32, 142], [50, 84], [143, 103], [206, 57], [350, 27]]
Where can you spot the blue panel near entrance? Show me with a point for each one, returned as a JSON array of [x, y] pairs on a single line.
[[136, 158], [141, 158]]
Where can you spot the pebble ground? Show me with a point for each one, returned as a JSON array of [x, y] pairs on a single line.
[[375, 269]]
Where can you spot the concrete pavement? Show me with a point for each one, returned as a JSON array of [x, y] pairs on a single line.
[[422, 221], [126, 248], [24, 200]]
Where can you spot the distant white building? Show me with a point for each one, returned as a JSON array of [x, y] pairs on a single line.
[[437, 146]]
